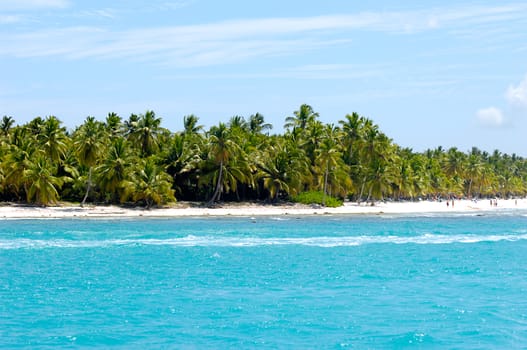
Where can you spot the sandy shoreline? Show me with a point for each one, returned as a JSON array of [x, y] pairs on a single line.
[[8, 211]]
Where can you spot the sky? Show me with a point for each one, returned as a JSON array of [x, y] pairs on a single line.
[[429, 73]]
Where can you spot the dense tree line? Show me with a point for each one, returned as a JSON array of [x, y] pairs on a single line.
[[138, 161]]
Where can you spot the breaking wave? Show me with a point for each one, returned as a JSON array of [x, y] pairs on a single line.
[[229, 241]]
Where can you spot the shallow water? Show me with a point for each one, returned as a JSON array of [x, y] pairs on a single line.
[[284, 282]]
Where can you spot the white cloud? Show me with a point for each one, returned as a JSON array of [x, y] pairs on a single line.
[[491, 116], [517, 95], [15, 5]]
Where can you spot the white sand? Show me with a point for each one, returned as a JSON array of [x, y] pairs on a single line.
[[248, 209]]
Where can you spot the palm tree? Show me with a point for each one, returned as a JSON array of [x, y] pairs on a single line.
[[454, 167], [52, 139], [257, 124], [433, 164], [329, 161], [190, 125], [15, 163], [113, 125], [181, 159], [41, 182], [303, 117], [369, 139], [130, 125], [421, 180], [238, 122], [145, 133], [283, 167], [404, 178], [34, 127], [381, 170], [351, 126], [113, 168], [88, 144], [474, 171], [150, 184], [312, 138], [222, 149], [5, 126], [273, 170]]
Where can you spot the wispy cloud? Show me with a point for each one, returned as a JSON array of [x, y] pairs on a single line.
[[234, 41], [333, 71], [101, 13], [8, 19], [176, 5], [17, 5], [316, 71]]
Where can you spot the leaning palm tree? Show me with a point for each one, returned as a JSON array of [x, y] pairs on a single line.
[[88, 144], [222, 148]]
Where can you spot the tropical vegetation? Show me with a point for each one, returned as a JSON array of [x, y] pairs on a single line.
[[137, 161]]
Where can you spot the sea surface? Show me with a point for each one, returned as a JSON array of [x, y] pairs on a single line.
[[319, 282]]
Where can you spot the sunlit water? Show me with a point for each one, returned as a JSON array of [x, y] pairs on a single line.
[[274, 282]]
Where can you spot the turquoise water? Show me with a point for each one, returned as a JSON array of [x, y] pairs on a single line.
[[286, 282]]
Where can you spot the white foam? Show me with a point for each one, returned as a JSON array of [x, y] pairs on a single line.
[[230, 241]]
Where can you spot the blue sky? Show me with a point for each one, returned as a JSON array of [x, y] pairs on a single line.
[[449, 73]]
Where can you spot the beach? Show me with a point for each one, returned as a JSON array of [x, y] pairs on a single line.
[[182, 209]]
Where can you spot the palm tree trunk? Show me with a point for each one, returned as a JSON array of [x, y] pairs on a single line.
[[361, 190], [217, 191], [88, 187], [325, 185]]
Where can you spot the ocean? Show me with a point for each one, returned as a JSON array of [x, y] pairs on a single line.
[[287, 282]]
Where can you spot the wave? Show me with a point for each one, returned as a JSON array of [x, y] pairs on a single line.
[[216, 241]]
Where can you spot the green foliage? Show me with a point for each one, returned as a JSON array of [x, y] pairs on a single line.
[[138, 161], [317, 197], [149, 184]]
